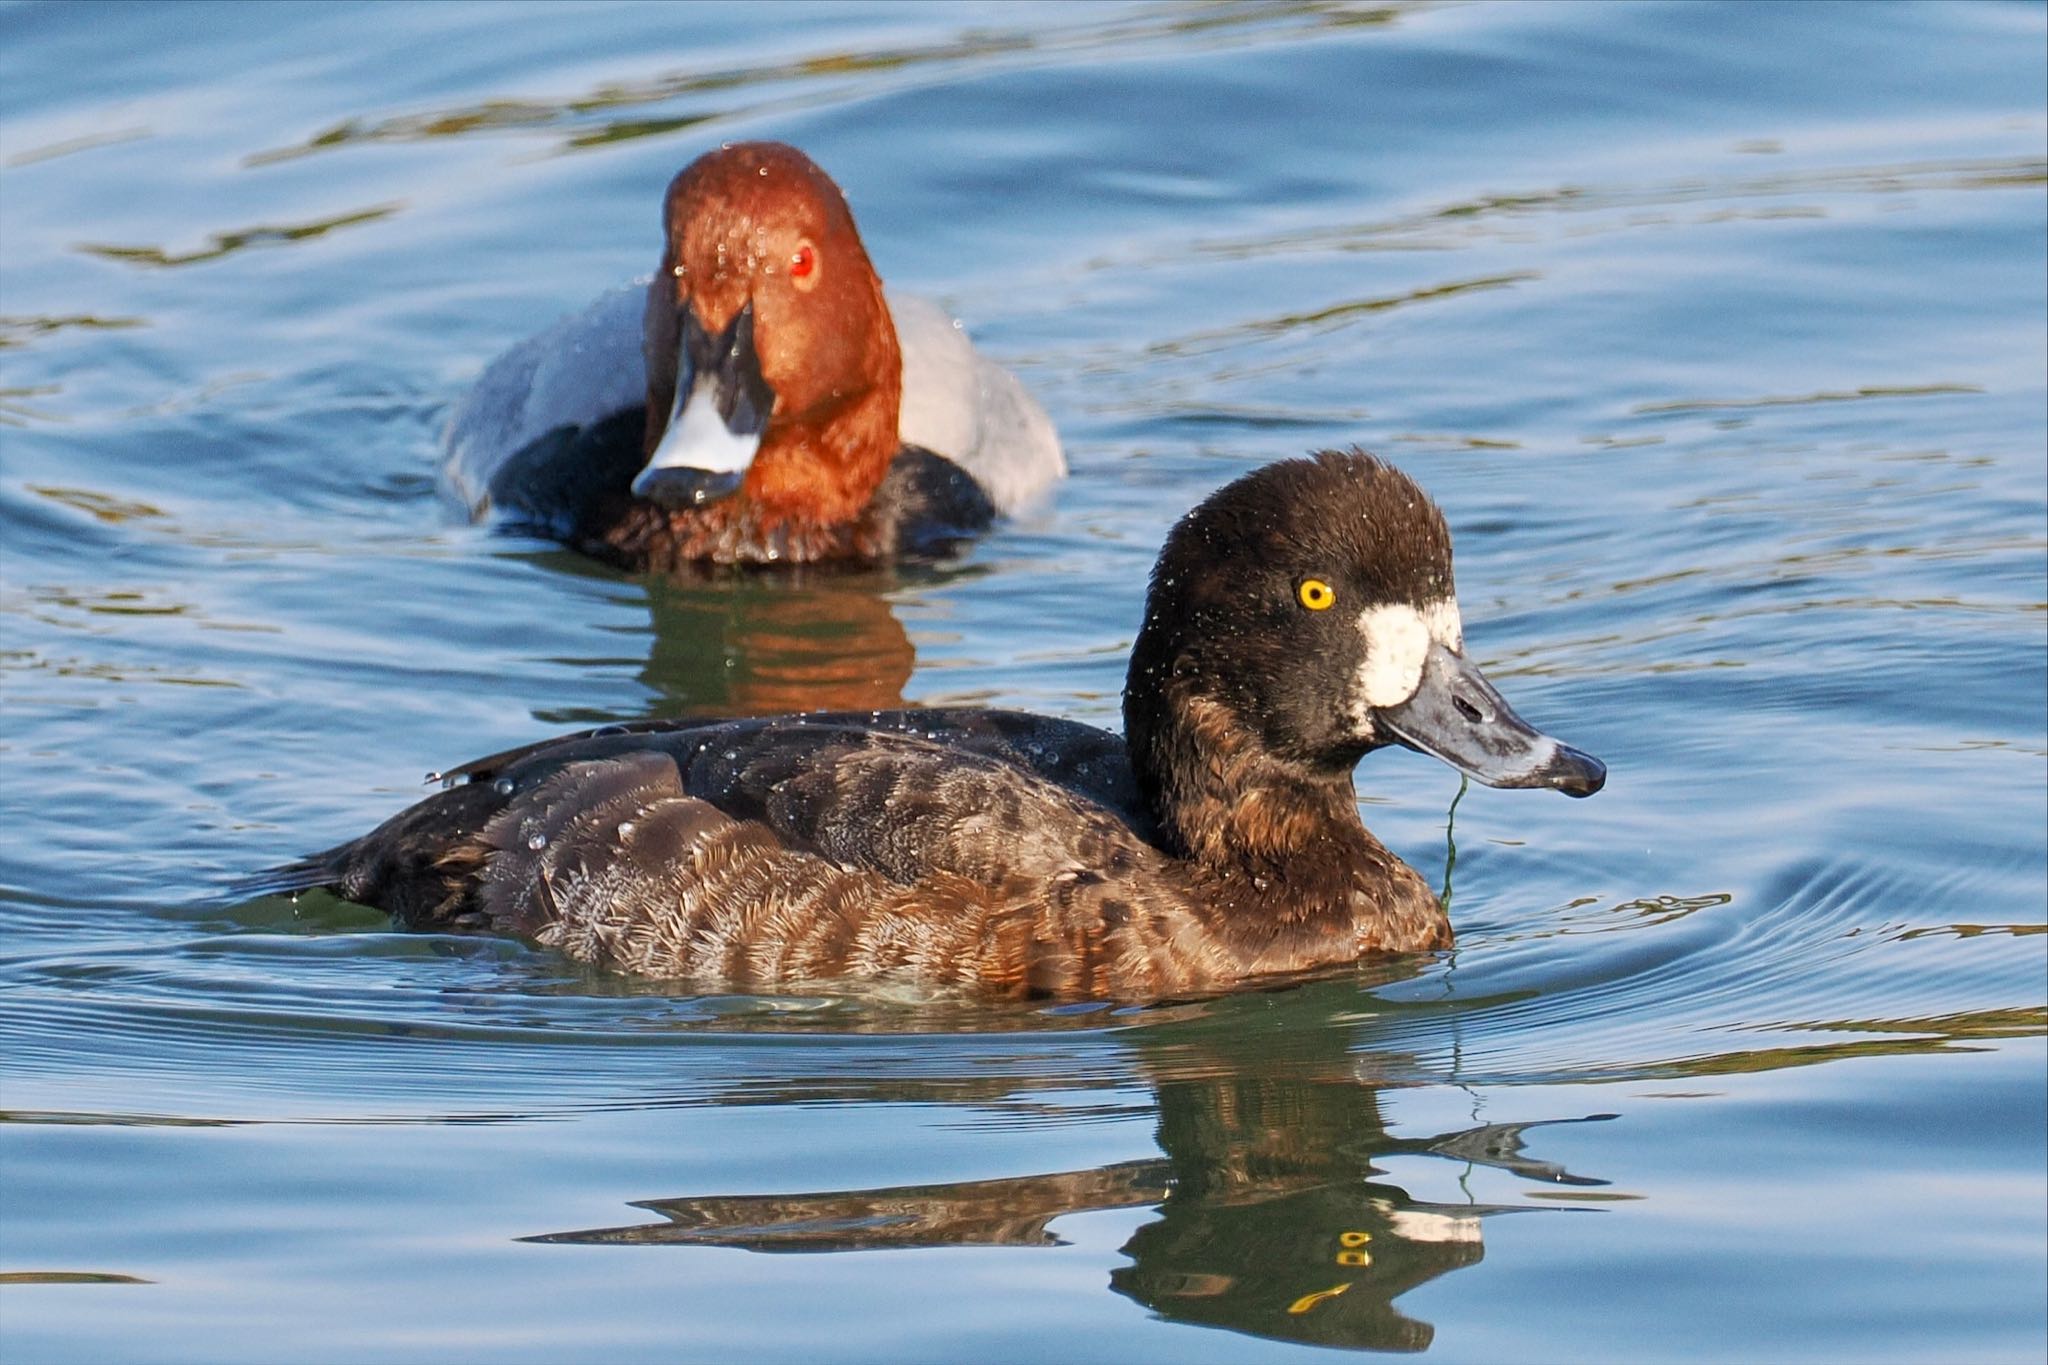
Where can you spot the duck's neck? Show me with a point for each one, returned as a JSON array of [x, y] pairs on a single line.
[[1225, 803], [1276, 848], [820, 468]]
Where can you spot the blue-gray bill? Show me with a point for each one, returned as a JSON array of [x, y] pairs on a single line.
[[1457, 716], [714, 427]]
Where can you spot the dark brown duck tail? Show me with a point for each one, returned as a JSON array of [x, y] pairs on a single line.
[[420, 866], [313, 873]]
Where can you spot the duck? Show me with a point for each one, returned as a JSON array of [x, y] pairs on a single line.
[[759, 400], [1296, 620]]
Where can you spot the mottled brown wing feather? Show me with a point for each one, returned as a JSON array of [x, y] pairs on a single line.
[[903, 806], [772, 852], [776, 852]]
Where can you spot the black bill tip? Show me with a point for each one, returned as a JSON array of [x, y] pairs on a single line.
[[679, 489], [1575, 773]]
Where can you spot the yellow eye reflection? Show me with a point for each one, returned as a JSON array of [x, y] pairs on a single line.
[[1316, 595], [1308, 1301]]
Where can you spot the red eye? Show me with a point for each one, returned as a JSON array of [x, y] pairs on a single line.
[[803, 262]]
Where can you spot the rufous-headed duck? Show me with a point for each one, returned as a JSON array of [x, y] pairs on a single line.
[[759, 401], [1297, 619]]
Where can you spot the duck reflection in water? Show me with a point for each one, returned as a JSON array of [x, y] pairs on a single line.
[[751, 644], [1272, 1218], [764, 646]]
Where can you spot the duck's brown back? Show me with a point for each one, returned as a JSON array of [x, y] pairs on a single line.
[[1001, 853]]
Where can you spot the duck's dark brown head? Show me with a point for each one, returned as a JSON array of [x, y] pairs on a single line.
[[1301, 617], [773, 370]]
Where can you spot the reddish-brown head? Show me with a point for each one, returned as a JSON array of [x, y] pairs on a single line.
[[768, 314]]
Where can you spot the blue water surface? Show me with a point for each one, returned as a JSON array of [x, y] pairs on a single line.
[[1720, 333]]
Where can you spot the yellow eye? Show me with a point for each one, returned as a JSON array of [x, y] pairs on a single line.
[[1316, 595]]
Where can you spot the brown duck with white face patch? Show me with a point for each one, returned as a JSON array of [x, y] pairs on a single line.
[[1297, 619]]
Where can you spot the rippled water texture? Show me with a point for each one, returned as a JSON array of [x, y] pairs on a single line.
[[1717, 330]]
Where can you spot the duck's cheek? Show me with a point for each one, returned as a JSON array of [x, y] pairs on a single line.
[[800, 360], [1395, 640]]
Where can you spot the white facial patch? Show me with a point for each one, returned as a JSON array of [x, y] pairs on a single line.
[[1398, 639], [1396, 646], [1446, 627]]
